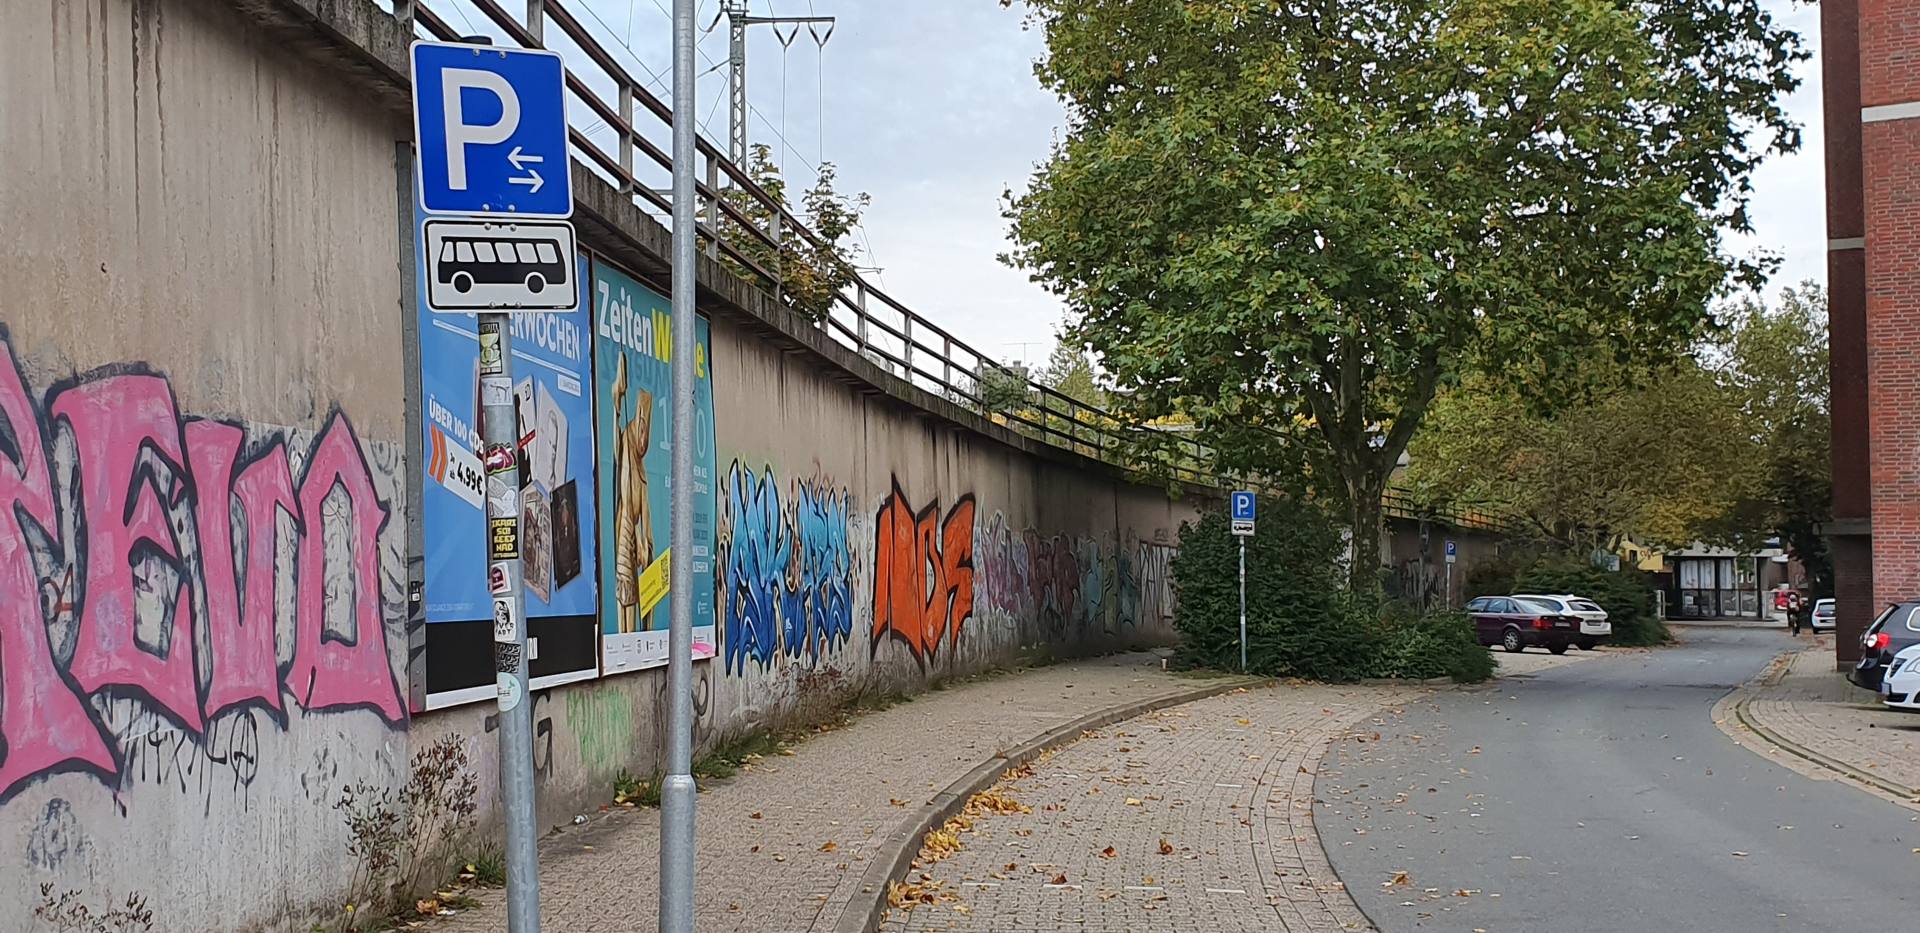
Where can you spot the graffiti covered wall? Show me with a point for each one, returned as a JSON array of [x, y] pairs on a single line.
[[193, 613], [203, 506], [863, 551]]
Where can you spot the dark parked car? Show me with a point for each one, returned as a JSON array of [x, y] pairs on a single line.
[[1896, 628], [1515, 624]]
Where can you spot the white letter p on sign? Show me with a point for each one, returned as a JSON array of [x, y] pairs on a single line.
[[460, 134]]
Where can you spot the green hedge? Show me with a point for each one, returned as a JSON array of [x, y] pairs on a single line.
[[1300, 621]]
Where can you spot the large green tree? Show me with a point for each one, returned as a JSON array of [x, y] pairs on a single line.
[[1728, 445], [1296, 222], [1665, 458], [1776, 361]]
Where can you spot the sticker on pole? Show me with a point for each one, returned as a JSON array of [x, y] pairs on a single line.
[[506, 619], [503, 499], [496, 390], [509, 690], [479, 266], [1240, 507], [492, 361], [497, 579], [503, 538]]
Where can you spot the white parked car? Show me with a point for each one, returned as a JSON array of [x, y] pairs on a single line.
[[1593, 620], [1900, 688], [1822, 618]]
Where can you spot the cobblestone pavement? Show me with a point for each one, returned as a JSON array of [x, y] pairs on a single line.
[[782, 846], [1812, 706], [1197, 817]]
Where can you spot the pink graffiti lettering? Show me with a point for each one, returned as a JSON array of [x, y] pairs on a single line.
[[239, 635], [329, 672], [42, 721], [121, 426], [156, 541]]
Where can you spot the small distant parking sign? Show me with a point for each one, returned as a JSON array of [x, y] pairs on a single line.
[[1240, 507], [1452, 551]]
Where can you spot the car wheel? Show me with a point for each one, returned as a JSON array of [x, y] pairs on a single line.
[[1558, 647], [1512, 641], [1588, 644]]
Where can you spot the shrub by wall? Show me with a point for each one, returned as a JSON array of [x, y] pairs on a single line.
[[1300, 620]]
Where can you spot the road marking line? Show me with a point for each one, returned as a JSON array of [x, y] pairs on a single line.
[[1225, 891], [979, 884], [1144, 887], [1225, 785]]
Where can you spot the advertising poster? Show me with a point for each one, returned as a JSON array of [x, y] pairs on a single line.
[[633, 342], [551, 365]]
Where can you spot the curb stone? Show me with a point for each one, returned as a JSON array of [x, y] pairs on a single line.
[[1731, 712], [895, 859]]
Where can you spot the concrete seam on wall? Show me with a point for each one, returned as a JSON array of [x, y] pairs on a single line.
[[896, 858], [1882, 113]]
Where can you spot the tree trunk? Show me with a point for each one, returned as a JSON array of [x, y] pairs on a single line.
[[1363, 521]]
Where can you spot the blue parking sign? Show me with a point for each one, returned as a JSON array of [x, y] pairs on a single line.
[[490, 129], [1242, 503]]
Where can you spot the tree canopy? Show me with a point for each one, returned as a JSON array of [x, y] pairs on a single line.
[[1296, 222], [1726, 446]]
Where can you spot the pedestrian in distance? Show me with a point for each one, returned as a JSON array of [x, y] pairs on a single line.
[[1796, 611]]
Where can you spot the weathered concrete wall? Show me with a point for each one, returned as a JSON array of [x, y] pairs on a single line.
[[201, 504], [203, 409], [1418, 568], [928, 552]]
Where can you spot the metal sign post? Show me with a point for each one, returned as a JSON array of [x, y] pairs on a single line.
[[500, 431], [1242, 509], [677, 789], [1452, 554], [1243, 604], [486, 121]]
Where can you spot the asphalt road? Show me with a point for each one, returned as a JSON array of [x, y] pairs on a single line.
[[1600, 797]]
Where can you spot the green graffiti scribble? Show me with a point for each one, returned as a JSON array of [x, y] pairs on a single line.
[[602, 722]]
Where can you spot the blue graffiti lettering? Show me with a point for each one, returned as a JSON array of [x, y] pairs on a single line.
[[788, 581]]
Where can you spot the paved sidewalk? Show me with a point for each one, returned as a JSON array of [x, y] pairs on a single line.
[[1804, 708], [1225, 782], [782, 846]]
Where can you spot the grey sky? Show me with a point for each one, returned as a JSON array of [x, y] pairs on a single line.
[[931, 107]]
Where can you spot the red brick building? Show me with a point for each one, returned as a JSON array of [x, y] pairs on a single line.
[[1871, 66]]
